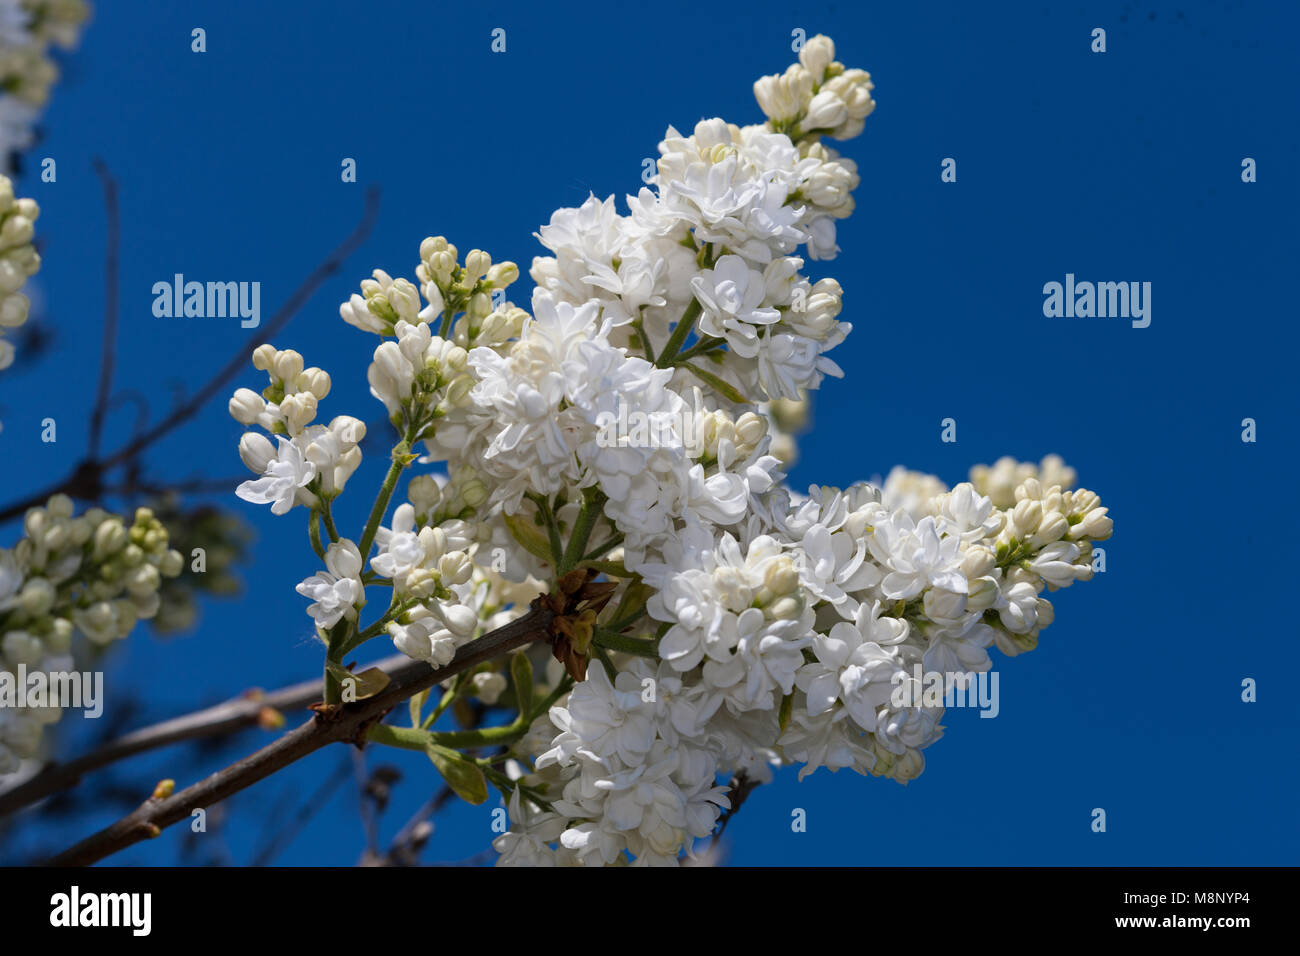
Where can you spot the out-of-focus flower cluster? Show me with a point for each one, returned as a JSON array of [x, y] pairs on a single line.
[[93, 574], [635, 423], [28, 28], [18, 261]]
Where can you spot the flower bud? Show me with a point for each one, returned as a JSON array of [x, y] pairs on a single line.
[[246, 405], [256, 452]]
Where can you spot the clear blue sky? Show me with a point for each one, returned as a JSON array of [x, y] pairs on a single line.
[[1117, 166]]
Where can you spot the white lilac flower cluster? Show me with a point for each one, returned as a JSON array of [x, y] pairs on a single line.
[[308, 461], [93, 574], [19, 260], [28, 28], [633, 424]]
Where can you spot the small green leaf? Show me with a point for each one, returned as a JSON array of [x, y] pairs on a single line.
[[521, 672], [787, 709], [462, 774], [358, 686], [633, 601], [727, 390], [614, 569], [416, 705], [530, 537]]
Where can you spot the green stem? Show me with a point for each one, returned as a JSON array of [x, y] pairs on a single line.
[[603, 549], [335, 641], [560, 690], [444, 327], [638, 326], [448, 696], [603, 656], [400, 452], [628, 645], [548, 518], [593, 502], [408, 738], [702, 347], [376, 628], [313, 532], [328, 516], [503, 783], [681, 332]]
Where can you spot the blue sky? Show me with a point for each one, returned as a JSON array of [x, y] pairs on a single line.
[[1117, 166]]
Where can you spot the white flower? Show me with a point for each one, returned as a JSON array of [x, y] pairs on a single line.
[[281, 481], [854, 665], [400, 548], [602, 720], [731, 294], [336, 590], [916, 554]]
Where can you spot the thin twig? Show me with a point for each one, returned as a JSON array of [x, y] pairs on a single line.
[[226, 718], [339, 723], [84, 480], [108, 354], [285, 834]]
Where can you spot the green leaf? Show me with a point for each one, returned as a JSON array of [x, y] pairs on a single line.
[[462, 774], [358, 686], [633, 601], [416, 705], [727, 390], [530, 537], [521, 672], [787, 709], [614, 569]]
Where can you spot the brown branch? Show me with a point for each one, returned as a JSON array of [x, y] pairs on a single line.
[[108, 355], [342, 723], [226, 718], [741, 787], [85, 480]]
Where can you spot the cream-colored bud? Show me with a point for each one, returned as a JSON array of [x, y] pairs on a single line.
[[246, 405], [142, 580], [431, 245], [22, 648], [59, 638], [455, 568], [287, 365], [477, 263], [750, 429], [460, 620], [423, 493], [781, 577], [37, 597], [785, 609], [1096, 525], [977, 562], [263, 357], [1026, 515], [502, 274], [434, 541], [110, 538], [825, 111], [1052, 528], [256, 452], [172, 564], [298, 410], [60, 506], [314, 380], [350, 431], [14, 309]]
